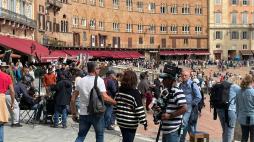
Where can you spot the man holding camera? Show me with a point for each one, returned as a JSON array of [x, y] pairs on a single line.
[[175, 105]]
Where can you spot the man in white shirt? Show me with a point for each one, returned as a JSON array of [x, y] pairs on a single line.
[[84, 86]]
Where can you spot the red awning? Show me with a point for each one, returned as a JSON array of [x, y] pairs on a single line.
[[96, 54], [184, 52], [164, 53], [122, 55], [135, 54], [28, 47], [54, 55], [115, 54], [200, 52], [25, 46]]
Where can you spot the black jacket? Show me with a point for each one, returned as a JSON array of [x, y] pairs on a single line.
[[21, 93], [63, 90]]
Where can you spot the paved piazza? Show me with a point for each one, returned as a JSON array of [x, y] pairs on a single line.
[[44, 133]]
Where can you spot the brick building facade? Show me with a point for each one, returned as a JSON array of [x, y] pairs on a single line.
[[123, 24], [17, 18], [231, 29]]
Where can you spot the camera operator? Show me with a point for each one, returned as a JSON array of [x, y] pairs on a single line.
[[175, 105]]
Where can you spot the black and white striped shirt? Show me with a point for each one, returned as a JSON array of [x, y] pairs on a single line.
[[129, 109], [176, 100]]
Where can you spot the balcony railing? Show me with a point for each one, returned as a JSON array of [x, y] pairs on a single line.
[[54, 3], [12, 16], [52, 41]]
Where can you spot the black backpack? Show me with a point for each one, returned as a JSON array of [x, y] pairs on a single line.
[[219, 95], [96, 103]]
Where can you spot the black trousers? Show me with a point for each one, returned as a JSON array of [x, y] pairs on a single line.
[[247, 132], [128, 134]]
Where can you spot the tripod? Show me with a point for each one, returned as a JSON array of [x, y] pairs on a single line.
[[159, 132]]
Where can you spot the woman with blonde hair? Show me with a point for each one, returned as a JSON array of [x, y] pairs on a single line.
[[245, 108]]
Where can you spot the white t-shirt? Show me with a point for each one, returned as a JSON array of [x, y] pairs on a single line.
[[84, 86], [77, 79]]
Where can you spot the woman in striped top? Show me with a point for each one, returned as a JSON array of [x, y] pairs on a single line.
[[129, 109]]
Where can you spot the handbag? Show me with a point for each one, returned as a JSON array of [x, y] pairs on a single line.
[[4, 115]]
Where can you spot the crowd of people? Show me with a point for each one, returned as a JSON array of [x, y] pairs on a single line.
[[127, 97]]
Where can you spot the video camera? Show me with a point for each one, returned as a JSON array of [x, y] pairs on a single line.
[[160, 105], [172, 72]]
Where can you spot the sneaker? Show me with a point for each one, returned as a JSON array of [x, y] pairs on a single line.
[[54, 126], [64, 126], [110, 128], [16, 125]]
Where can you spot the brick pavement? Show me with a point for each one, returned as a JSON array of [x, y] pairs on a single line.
[[206, 122], [45, 133]]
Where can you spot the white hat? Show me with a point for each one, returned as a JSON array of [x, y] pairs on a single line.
[[3, 64]]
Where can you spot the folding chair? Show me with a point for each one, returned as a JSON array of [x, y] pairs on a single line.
[[27, 112]]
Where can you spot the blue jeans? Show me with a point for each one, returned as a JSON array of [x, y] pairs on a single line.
[[1, 132], [60, 109], [128, 134], [186, 126], [38, 109], [108, 115], [85, 123], [171, 137], [113, 118], [227, 128]]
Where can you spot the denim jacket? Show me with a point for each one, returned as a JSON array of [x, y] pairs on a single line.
[[186, 87], [234, 90], [245, 106]]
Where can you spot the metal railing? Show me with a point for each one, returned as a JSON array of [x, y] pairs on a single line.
[[53, 41], [55, 3], [12, 16]]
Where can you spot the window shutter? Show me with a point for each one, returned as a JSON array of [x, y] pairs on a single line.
[[58, 27], [91, 40], [119, 42], [50, 26], [96, 42], [66, 27], [114, 42], [44, 22], [129, 42]]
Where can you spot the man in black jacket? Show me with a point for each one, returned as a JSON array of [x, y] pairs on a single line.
[[63, 90], [28, 101]]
